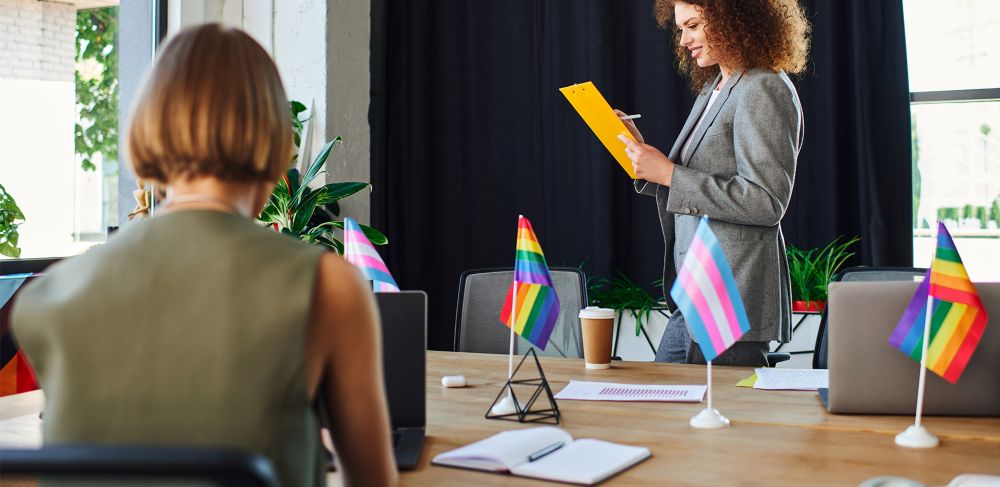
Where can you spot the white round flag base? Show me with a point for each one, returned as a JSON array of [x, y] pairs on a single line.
[[505, 406], [709, 419], [916, 437]]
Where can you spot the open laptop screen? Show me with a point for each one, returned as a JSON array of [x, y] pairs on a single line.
[[404, 332]]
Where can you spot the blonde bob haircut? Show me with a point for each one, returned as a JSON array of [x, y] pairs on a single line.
[[213, 106]]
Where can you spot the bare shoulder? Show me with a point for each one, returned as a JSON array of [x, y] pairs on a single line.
[[339, 286]]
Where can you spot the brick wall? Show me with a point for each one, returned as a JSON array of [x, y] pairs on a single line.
[[37, 40]]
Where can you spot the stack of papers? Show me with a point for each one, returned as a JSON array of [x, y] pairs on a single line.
[[791, 379], [610, 391]]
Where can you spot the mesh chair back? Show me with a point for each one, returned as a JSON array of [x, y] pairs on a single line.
[[856, 274], [481, 294]]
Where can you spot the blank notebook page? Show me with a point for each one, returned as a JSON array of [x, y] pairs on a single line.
[[583, 462]]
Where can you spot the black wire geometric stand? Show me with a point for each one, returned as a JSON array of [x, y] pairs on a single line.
[[531, 389]]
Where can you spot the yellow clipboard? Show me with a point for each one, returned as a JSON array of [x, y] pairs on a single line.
[[594, 110]]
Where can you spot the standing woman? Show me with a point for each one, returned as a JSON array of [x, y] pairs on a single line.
[[734, 159]]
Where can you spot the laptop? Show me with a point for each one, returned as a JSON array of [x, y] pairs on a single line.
[[869, 376], [404, 342]]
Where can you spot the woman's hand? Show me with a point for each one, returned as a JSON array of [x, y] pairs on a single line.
[[648, 162], [630, 125]]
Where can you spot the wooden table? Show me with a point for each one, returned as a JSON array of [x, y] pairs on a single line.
[[776, 437]]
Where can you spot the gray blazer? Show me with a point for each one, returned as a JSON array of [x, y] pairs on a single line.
[[739, 171]]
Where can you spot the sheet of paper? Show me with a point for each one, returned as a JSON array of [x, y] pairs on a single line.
[[792, 379], [748, 382], [610, 391]]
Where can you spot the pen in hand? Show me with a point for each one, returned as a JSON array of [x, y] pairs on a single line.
[[631, 117]]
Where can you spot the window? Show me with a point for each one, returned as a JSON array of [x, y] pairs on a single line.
[[59, 125], [64, 75], [953, 50]]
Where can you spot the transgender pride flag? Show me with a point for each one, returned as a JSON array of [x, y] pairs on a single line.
[[706, 295], [359, 251]]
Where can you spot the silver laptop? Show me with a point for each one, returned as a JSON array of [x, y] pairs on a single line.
[[867, 375]]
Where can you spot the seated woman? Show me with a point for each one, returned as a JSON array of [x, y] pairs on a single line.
[[199, 326]]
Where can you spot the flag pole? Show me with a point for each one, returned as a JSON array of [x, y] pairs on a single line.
[[506, 405], [513, 323], [709, 418], [916, 435], [709, 384]]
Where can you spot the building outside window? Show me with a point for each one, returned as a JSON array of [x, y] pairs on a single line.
[[59, 122], [953, 51]]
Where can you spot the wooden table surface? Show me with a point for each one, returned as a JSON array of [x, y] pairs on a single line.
[[776, 437]]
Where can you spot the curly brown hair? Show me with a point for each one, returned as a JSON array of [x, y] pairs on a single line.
[[769, 34]]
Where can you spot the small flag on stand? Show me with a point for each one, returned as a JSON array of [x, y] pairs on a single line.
[[537, 303], [359, 251], [706, 295], [958, 317]]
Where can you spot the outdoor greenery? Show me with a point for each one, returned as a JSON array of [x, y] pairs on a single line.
[[97, 85], [311, 214], [620, 294], [979, 216], [10, 218], [811, 270]]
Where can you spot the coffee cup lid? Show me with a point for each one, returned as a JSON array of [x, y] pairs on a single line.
[[595, 313]]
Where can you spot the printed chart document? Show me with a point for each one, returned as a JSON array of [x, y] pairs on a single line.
[[601, 119], [792, 379], [609, 391], [547, 453]]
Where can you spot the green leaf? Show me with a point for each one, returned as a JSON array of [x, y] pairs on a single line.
[[333, 243], [376, 237], [302, 214], [317, 163], [291, 182], [339, 191]]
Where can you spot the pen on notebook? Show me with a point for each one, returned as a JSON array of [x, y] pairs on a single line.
[[631, 117], [545, 451]]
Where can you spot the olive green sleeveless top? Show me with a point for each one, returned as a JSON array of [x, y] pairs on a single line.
[[186, 329]]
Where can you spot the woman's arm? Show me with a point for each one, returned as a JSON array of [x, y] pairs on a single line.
[[766, 138], [345, 324]]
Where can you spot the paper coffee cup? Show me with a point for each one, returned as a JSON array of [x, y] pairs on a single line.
[[597, 324]]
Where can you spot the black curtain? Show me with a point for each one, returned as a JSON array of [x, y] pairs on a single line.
[[469, 130], [854, 171]]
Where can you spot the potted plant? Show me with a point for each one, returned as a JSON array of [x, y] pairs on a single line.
[[811, 270], [622, 294], [10, 218], [310, 214]]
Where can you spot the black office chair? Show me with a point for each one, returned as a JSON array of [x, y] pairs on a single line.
[[481, 294], [853, 274], [136, 465]]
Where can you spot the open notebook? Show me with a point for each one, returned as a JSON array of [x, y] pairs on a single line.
[[547, 453]]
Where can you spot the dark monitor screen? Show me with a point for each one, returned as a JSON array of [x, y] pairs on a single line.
[[25, 266], [404, 342]]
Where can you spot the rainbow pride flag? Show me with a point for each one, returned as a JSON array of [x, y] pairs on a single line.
[[16, 375], [706, 295], [359, 251], [958, 317], [537, 303]]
